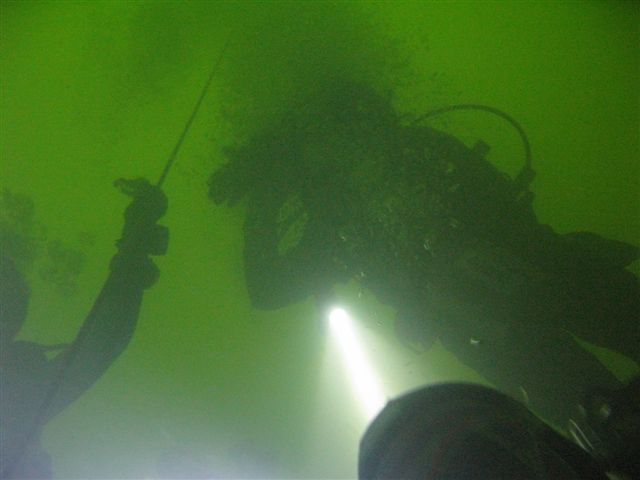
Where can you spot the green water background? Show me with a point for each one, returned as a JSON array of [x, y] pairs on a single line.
[[93, 91]]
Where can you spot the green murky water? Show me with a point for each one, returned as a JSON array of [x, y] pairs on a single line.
[[93, 91]]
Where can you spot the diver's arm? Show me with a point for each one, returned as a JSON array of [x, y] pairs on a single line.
[[112, 320]]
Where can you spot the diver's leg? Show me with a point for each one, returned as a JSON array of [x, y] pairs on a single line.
[[560, 374], [542, 365], [606, 312]]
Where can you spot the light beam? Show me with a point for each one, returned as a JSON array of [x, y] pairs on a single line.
[[361, 375]]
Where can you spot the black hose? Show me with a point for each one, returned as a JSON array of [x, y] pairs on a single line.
[[527, 174]]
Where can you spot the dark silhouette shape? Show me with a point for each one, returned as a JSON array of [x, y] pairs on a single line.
[[465, 431], [35, 389], [344, 188]]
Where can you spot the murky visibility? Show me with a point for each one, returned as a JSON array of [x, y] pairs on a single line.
[[374, 240]]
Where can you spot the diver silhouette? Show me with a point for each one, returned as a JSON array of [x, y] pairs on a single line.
[[34, 388], [344, 188]]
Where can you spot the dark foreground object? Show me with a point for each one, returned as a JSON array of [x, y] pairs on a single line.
[[463, 431]]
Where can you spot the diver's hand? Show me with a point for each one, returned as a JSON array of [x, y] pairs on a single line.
[[141, 234], [149, 201]]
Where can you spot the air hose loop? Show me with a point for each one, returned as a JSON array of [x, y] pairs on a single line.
[[526, 174]]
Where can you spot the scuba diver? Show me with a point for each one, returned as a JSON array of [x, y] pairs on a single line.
[[35, 388], [464, 432], [343, 188]]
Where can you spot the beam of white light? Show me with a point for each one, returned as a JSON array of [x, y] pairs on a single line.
[[360, 373]]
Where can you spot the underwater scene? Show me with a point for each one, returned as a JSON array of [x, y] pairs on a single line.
[[319, 239]]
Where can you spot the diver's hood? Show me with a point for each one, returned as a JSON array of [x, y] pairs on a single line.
[[464, 431]]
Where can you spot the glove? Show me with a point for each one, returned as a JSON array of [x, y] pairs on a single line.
[[141, 234]]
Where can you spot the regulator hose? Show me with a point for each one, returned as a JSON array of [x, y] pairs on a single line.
[[526, 174]]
